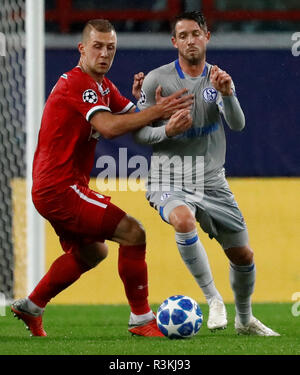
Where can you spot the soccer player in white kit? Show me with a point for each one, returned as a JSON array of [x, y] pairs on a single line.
[[180, 200]]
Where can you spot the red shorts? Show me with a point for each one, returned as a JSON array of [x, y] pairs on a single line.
[[80, 216]]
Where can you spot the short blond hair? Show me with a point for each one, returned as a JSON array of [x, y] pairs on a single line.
[[102, 25]]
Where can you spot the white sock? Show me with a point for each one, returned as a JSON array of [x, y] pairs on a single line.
[[195, 258], [242, 280], [136, 319]]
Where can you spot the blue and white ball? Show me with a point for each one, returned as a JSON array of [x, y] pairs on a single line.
[[179, 317]]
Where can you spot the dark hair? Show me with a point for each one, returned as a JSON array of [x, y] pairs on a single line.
[[193, 16], [102, 25]]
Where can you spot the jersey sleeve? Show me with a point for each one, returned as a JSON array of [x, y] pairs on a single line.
[[156, 132], [219, 100], [84, 96], [149, 87], [118, 103], [230, 108]]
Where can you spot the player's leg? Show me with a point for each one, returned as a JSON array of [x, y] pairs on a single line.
[[93, 253], [119, 227], [63, 272], [81, 253], [66, 269], [132, 265], [133, 272], [242, 280], [231, 232], [195, 258], [192, 250]]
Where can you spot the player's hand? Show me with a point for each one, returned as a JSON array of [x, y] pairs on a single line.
[[138, 80], [171, 104], [179, 123], [221, 80]]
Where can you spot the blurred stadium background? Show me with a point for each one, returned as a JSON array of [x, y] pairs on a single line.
[[252, 40]]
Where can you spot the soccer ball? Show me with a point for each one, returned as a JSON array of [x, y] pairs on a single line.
[[179, 317]]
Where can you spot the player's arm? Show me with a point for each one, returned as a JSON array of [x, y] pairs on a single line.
[[178, 123], [229, 104], [110, 125]]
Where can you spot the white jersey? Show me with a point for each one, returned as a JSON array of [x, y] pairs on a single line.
[[204, 144]]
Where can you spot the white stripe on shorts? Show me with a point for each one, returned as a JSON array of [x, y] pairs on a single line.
[[87, 199]]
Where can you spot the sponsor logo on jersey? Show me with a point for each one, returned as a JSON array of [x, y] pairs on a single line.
[[90, 96], [142, 99], [209, 94], [103, 92]]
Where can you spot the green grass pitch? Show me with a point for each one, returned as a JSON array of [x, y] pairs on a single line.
[[102, 330]]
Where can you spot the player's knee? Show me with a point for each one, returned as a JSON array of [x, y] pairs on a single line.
[[93, 254], [247, 256], [241, 256], [182, 220], [129, 232], [136, 233], [102, 253]]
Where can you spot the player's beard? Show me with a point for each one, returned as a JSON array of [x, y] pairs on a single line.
[[193, 59]]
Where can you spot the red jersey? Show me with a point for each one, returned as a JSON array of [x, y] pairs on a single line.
[[67, 141]]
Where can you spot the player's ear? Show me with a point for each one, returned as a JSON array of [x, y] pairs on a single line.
[[81, 48], [207, 36], [174, 42]]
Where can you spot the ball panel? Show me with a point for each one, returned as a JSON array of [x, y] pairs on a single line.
[[186, 329], [178, 316], [164, 316], [198, 310], [198, 325], [163, 305], [186, 304]]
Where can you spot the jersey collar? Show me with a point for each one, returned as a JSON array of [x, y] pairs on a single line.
[[181, 74]]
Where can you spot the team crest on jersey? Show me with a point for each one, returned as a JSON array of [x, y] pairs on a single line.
[[165, 196], [209, 94], [90, 96], [142, 99]]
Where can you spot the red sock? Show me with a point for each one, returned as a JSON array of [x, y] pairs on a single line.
[[133, 273], [63, 272]]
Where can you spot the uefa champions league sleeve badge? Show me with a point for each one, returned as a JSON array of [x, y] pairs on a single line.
[[90, 96]]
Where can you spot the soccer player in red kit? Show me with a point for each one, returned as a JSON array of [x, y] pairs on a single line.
[[82, 106]]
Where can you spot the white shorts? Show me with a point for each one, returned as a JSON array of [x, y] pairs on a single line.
[[216, 211]]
